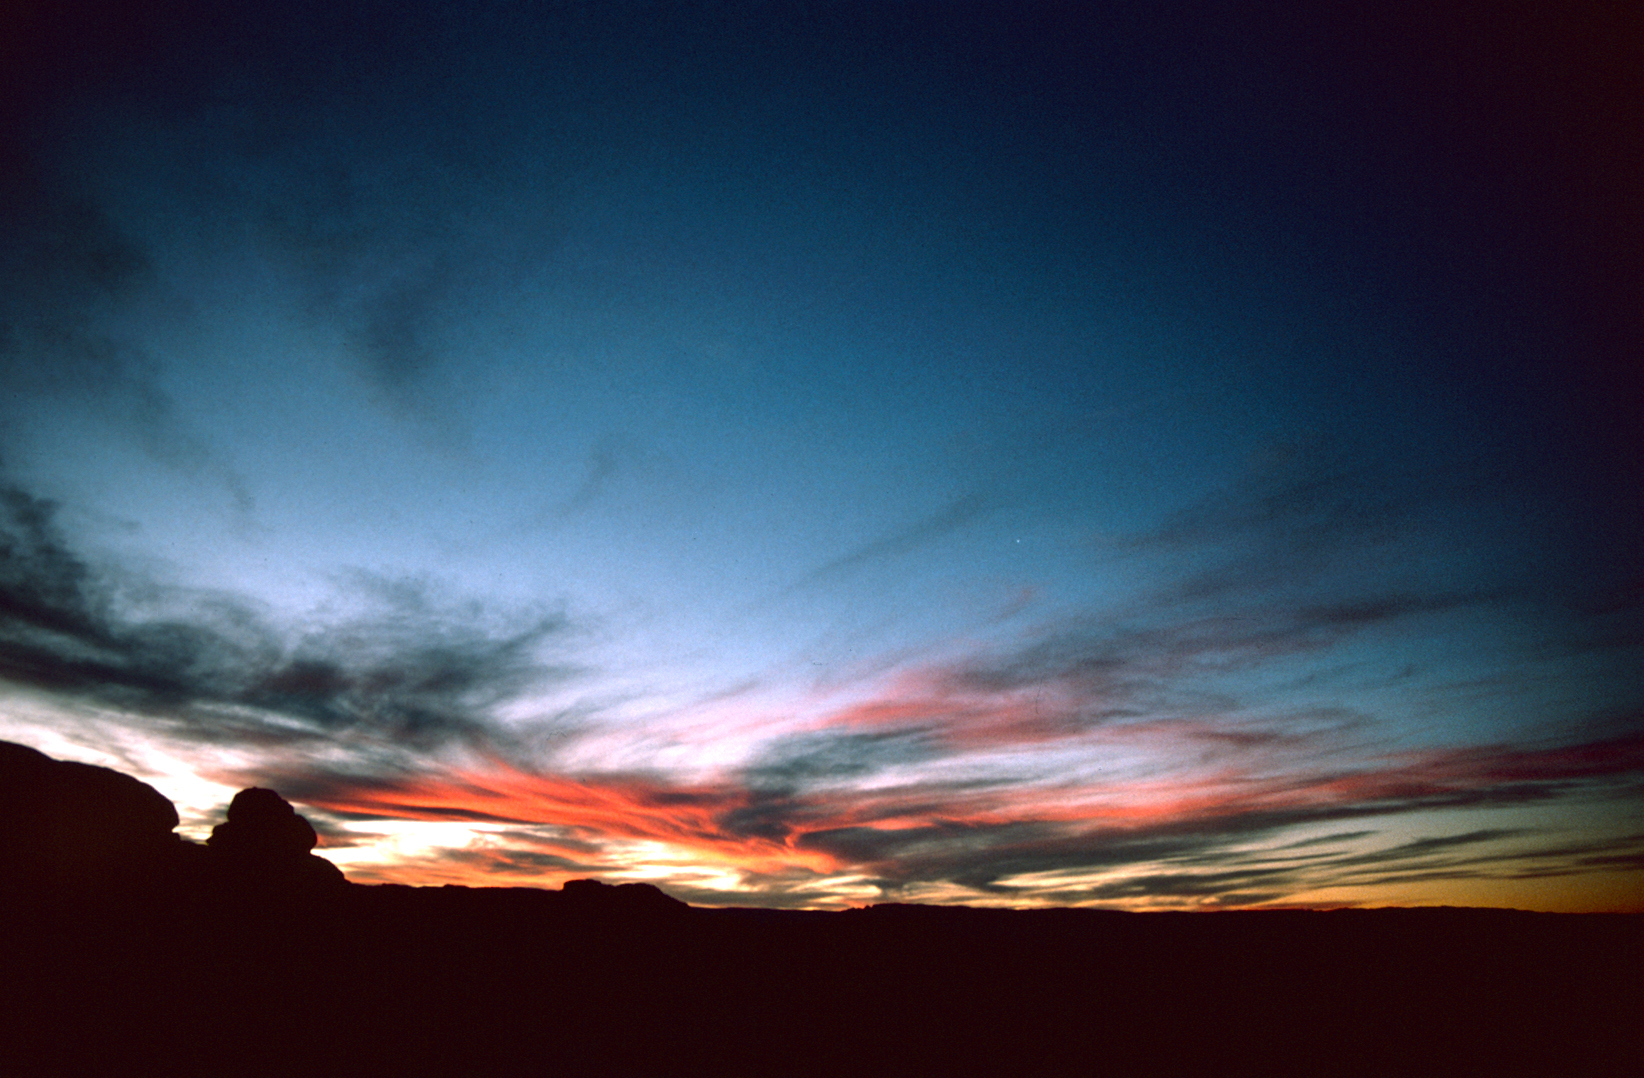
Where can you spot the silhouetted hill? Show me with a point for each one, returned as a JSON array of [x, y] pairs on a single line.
[[127, 950]]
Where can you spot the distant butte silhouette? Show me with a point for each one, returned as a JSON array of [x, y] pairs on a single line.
[[127, 950]]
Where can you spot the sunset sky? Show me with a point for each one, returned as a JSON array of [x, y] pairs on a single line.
[[1147, 456]]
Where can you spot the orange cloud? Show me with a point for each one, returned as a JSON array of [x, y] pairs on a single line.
[[686, 819]]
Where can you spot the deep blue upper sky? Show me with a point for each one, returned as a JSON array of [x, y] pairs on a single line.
[[953, 448]]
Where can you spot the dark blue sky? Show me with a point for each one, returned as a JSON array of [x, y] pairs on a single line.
[[1156, 455]]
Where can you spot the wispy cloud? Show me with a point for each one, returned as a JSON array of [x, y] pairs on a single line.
[[1204, 833], [1312, 524], [406, 668], [68, 270], [952, 517], [820, 808], [1062, 680]]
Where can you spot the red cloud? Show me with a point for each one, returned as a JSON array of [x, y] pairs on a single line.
[[695, 823], [607, 808]]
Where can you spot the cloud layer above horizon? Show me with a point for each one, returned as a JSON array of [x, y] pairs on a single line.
[[820, 456]]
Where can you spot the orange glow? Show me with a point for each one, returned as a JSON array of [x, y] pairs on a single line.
[[614, 808], [534, 828]]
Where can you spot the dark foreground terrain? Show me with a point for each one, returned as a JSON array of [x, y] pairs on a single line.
[[125, 950]]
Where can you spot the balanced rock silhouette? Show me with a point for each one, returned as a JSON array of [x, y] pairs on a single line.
[[265, 845]]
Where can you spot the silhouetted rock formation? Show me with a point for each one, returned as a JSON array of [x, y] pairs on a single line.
[[239, 970], [631, 899], [67, 825], [264, 844], [76, 831], [262, 825]]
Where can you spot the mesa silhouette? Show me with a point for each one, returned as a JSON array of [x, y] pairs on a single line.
[[128, 949]]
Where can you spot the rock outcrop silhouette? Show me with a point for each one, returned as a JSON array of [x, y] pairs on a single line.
[[78, 831], [66, 825], [265, 845], [632, 899]]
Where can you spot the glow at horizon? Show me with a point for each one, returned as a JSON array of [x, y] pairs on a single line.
[[909, 453]]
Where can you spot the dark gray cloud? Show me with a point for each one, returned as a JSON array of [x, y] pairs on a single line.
[[1368, 538], [1306, 556], [1306, 497], [1342, 542], [603, 468], [791, 890], [1115, 657], [66, 269], [409, 667], [63, 258], [324, 158], [1166, 664], [782, 782], [803, 760], [959, 513], [515, 863]]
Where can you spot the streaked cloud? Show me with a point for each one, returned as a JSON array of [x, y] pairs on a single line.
[[401, 666]]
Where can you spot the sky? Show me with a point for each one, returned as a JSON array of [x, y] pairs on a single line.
[[1158, 456]]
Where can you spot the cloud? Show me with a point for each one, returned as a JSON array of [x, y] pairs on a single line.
[[1065, 680], [357, 194], [1312, 522], [803, 760], [605, 810], [1308, 568], [1202, 826], [959, 513], [822, 807], [786, 784], [602, 470], [66, 270], [408, 670], [1119, 655], [1341, 545]]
